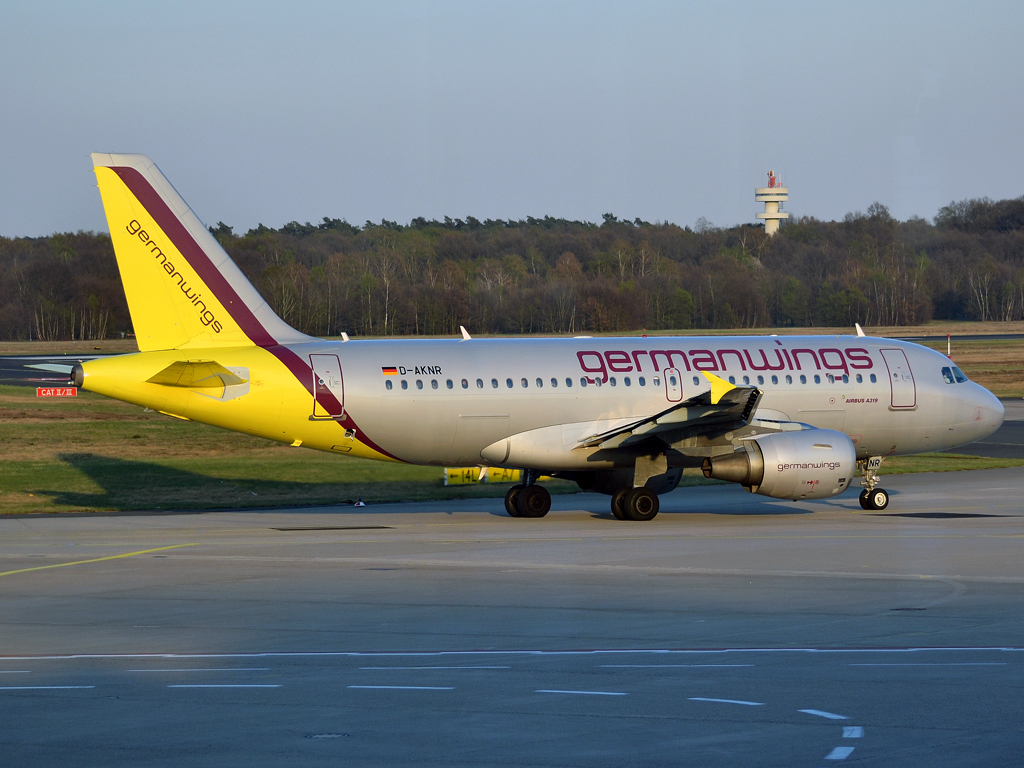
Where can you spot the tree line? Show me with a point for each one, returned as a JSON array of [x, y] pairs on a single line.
[[553, 275]]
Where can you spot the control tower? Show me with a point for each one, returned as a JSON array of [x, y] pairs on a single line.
[[772, 196]]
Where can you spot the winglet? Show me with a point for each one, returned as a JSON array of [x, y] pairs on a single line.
[[465, 333], [860, 331], [719, 387]]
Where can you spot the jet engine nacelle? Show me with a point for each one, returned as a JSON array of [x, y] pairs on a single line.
[[808, 464]]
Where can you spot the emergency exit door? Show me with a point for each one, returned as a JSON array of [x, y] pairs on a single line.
[[673, 385], [901, 379], [328, 386]]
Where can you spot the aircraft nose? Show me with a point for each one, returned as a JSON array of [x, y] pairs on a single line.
[[988, 411]]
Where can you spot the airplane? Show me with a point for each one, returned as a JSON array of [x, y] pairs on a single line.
[[793, 417]]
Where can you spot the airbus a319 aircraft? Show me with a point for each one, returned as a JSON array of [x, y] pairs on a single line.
[[792, 417]]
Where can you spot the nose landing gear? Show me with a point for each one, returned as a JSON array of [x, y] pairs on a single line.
[[872, 497]]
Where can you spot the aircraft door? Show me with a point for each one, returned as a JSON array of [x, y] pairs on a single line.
[[328, 386], [673, 385], [901, 379]]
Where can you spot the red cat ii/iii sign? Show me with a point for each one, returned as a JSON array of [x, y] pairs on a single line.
[[56, 391]]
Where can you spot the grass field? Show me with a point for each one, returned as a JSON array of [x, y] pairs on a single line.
[[95, 454]]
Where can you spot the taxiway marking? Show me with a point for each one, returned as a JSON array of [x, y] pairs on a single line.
[[853, 731], [819, 713], [224, 685], [583, 693], [438, 667], [222, 669], [43, 687], [96, 559], [839, 753], [728, 701]]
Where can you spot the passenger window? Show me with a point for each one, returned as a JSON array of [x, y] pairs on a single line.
[[642, 381], [508, 383], [873, 379], [656, 381], [626, 381], [696, 381], [568, 382], [671, 380], [449, 384], [494, 383], [817, 379], [746, 380], [433, 383], [554, 382], [732, 379], [465, 384], [846, 379], [789, 379], [524, 383], [405, 384], [760, 379], [419, 383], [803, 379], [860, 379], [960, 377], [775, 379], [387, 385], [612, 381], [830, 377], [583, 381], [598, 382], [479, 383]]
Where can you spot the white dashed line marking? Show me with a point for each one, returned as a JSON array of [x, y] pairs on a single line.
[[728, 701], [225, 685], [584, 693], [403, 687], [853, 731], [819, 713], [15, 671], [839, 753]]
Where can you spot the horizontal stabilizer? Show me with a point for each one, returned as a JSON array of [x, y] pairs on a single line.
[[197, 374]]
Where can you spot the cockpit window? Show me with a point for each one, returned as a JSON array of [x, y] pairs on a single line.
[[960, 378], [947, 375]]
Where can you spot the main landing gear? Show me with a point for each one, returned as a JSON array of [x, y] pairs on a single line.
[[640, 504], [528, 500], [872, 497]]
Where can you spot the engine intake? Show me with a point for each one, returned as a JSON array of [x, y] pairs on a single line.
[[809, 464]]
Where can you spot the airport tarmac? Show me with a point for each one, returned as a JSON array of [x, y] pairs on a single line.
[[731, 630]]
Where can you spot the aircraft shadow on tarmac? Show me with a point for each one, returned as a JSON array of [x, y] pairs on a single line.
[[137, 486], [126, 485]]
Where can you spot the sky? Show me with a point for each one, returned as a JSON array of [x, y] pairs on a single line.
[[262, 112]]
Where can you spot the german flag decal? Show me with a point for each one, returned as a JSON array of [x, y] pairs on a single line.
[[389, 371]]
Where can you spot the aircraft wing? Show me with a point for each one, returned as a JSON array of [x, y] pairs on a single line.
[[709, 411]]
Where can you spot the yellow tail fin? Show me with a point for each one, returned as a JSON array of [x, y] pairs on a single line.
[[183, 289]]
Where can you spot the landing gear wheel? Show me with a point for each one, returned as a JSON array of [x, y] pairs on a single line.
[[511, 498], [878, 498], [641, 504], [619, 503], [533, 501], [865, 501]]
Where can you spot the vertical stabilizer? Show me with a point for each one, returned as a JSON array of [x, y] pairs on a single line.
[[183, 289]]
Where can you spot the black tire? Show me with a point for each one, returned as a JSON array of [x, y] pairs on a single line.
[[879, 498], [619, 503], [641, 504], [533, 501], [511, 498], [865, 500]]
